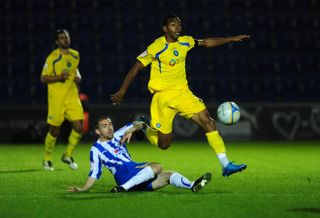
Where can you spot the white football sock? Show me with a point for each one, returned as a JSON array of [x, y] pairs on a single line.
[[223, 159], [180, 181], [142, 176]]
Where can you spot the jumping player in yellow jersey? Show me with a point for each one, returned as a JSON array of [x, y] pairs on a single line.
[[169, 86], [62, 76]]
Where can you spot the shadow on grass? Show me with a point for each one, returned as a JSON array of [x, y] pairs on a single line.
[[308, 210], [105, 194], [25, 171], [91, 196]]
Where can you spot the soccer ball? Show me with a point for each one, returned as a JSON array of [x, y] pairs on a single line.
[[228, 113]]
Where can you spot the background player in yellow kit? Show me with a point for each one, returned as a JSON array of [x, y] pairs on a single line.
[[62, 76], [169, 86]]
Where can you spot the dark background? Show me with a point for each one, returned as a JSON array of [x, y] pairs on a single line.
[[280, 63], [273, 77]]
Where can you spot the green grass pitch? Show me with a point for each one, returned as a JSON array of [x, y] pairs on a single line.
[[282, 180]]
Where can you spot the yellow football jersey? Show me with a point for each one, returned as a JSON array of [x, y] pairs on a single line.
[[168, 70], [55, 64]]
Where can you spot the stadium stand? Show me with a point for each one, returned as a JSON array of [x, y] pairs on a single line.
[[280, 63]]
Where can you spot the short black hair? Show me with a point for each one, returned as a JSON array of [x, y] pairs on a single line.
[[59, 31], [102, 117], [169, 18]]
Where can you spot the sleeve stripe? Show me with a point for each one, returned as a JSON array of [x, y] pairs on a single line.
[[96, 166], [91, 156], [185, 44]]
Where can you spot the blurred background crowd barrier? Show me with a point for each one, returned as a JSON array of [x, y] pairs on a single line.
[[258, 122]]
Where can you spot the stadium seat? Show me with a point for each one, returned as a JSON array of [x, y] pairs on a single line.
[[281, 56]]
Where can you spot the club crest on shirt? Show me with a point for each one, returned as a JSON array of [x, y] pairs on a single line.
[[172, 62], [143, 54]]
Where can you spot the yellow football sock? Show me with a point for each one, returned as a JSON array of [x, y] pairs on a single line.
[[49, 144], [74, 139], [152, 136], [216, 142]]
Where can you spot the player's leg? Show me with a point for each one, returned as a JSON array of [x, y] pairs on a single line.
[[180, 181], [73, 140], [74, 137], [74, 113], [54, 120], [49, 143], [158, 138], [164, 140], [216, 142], [141, 174], [161, 121], [191, 107]]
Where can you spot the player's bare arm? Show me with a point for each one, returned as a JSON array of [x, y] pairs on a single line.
[[90, 182], [137, 125], [57, 78], [117, 97], [77, 78], [214, 42]]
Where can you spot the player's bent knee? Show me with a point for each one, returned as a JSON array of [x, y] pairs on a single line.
[[164, 146], [54, 131], [159, 169], [78, 129], [156, 168]]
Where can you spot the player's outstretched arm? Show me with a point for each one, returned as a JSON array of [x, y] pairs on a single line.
[[117, 97], [214, 42], [90, 182], [137, 125]]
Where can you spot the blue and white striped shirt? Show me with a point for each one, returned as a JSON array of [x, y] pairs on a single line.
[[111, 154]]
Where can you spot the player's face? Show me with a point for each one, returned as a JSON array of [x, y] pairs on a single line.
[[173, 28], [105, 129], [63, 40]]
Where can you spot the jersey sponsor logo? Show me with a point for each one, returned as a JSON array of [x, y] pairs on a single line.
[[176, 53], [119, 150], [143, 54], [158, 125], [116, 151], [69, 64]]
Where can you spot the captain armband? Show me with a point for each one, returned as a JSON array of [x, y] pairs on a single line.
[[198, 42]]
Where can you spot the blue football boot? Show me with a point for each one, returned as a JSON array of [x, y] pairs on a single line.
[[233, 168]]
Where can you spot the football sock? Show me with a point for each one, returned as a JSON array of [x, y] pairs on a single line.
[[180, 181], [223, 159], [49, 143], [73, 139], [216, 142], [144, 175], [152, 136]]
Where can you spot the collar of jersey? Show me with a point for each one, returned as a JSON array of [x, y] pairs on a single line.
[[171, 43]]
